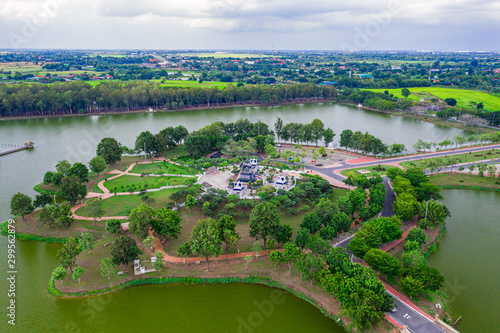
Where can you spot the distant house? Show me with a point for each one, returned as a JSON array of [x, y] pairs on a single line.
[[281, 180], [238, 187]]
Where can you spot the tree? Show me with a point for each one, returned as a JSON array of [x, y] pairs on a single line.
[[109, 149], [405, 206], [481, 168], [86, 241], [190, 201], [77, 274], [48, 178], [405, 93], [21, 204], [227, 232], [145, 142], [429, 276], [411, 286], [284, 235], [328, 135], [450, 101], [59, 273], [107, 267], [79, 170], [325, 210], [67, 254], [59, 216], [62, 167], [276, 258], [341, 222], [311, 222], [248, 259], [94, 207], [492, 169], [113, 226], [205, 240], [159, 264], [167, 222], [317, 129], [124, 250], [417, 235], [345, 138], [97, 164], [290, 255], [197, 145], [148, 242], [383, 262], [436, 213], [264, 221], [141, 220], [412, 259], [278, 126], [42, 200], [72, 189], [471, 168]]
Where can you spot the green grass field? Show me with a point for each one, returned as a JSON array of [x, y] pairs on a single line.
[[164, 168], [462, 158], [370, 168], [464, 97], [464, 181], [121, 205], [124, 183]]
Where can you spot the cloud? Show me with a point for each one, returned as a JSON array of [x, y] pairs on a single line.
[[267, 19]]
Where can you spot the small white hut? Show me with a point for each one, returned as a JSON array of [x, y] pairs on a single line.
[[238, 187]]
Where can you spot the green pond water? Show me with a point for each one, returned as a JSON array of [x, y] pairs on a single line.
[[468, 257], [216, 308]]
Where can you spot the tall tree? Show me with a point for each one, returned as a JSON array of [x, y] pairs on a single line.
[[205, 240], [67, 254], [328, 135], [345, 138], [97, 164], [145, 142], [72, 189], [278, 126], [124, 250], [167, 222], [141, 220], [79, 170], [21, 204], [227, 232], [94, 206], [264, 221], [109, 149], [107, 267]]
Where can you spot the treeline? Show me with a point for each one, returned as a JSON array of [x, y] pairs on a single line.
[[82, 97]]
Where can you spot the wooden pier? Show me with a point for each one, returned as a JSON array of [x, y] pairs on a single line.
[[27, 145]]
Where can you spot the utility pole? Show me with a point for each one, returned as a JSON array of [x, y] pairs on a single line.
[[55, 203], [426, 206], [144, 151]]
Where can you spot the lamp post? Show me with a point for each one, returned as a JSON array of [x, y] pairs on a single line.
[[407, 316]]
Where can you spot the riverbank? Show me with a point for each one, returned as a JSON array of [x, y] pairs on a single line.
[[426, 118], [147, 110], [463, 181]]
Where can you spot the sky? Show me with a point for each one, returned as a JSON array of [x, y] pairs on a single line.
[[438, 25]]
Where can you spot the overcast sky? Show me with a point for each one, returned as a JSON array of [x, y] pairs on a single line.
[[252, 24]]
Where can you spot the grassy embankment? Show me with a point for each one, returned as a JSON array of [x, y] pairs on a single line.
[[463, 96], [128, 183], [460, 158], [466, 182]]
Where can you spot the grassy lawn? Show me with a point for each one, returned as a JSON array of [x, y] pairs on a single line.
[[465, 181], [463, 96], [164, 168], [124, 183], [463, 158], [121, 205], [174, 152], [372, 170]]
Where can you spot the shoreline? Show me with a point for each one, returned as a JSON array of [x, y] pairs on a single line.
[[433, 120], [145, 110]]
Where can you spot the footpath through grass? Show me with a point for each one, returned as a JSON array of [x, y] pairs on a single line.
[[464, 181], [122, 205], [460, 158]]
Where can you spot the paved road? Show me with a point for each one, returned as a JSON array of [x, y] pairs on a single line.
[[416, 322]]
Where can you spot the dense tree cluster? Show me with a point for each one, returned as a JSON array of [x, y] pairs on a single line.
[[81, 97]]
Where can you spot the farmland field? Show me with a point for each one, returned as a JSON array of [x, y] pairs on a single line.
[[463, 96]]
